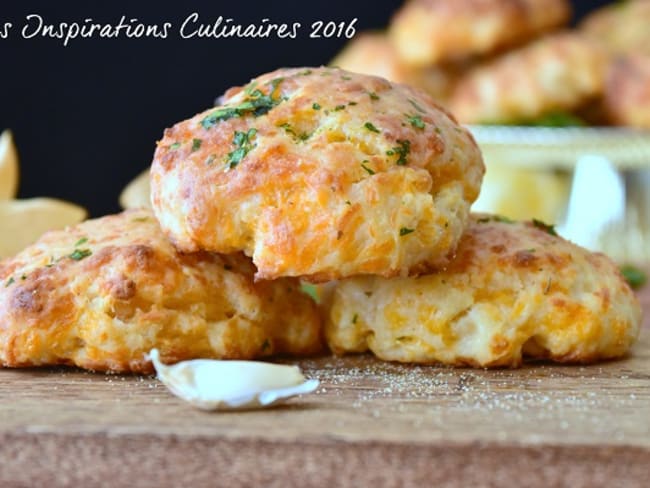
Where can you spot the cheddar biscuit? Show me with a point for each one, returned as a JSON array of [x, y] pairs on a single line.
[[372, 53], [622, 28], [102, 294], [627, 91], [558, 73], [426, 32], [319, 173], [513, 291]]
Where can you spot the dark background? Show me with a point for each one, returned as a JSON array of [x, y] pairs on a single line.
[[86, 117]]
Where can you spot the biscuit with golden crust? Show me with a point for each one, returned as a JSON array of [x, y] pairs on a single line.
[[372, 53], [319, 173], [102, 294], [513, 291], [623, 27], [426, 32], [627, 91], [557, 73]]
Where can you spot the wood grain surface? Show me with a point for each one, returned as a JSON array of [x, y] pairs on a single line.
[[369, 424]]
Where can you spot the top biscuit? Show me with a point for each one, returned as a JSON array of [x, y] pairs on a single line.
[[319, 173], [430, 31]]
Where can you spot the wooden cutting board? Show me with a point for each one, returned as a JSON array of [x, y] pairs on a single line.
[[369, 424]]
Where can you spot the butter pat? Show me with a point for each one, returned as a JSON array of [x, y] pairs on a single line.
[[231, 385]]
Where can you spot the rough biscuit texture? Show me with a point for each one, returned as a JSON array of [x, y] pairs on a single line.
[[104, 293], [623, 27], [627, 91], [372, 53], [429, 31], [319, 173], [557, 73], [513, 291]]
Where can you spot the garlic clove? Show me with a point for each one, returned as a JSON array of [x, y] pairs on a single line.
[[229, 385]]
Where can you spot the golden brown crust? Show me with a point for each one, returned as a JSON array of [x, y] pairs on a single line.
[[426, 32], [372, 53], [342, 174], [102, 294], [622, 27], [512, 291], [557, 73], [627, 91]]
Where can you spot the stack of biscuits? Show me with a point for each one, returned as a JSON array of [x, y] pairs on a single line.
[[324, 176]]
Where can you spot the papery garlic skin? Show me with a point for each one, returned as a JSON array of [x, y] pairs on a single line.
[[228, 385]]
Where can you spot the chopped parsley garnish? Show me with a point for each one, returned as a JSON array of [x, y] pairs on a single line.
[[79, 254], [10, 281], [416, 121], [416, 106], [303, 136], [373, 96], [346, 78], [81, 241], [634, 276], [23, 277], [370, 171], [339, 107], [354, 318], [242, 142], [196, 144], [256, 104], [402, 151], [175, 146], [405, 231], [371, 127], [352, 103], [549, 229], [316, 106], [265, 345], [305, 72]]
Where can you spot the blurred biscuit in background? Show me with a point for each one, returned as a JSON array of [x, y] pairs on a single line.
[[623, 27], [372, 53], [426, 32], [627, 91], [561, 72]]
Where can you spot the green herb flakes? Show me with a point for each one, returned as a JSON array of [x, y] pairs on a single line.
[[339, 107], [243, 144], [316, 106], [10, 281], [256, 104], [210, 159], [81, 241], [175, 146], [371, 127], [416, 121], [373, 96], [355, 317], [369, 170], [196, 144], [402, 152], [634, 276], [405, 231], [549, 229], [79, 254]]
